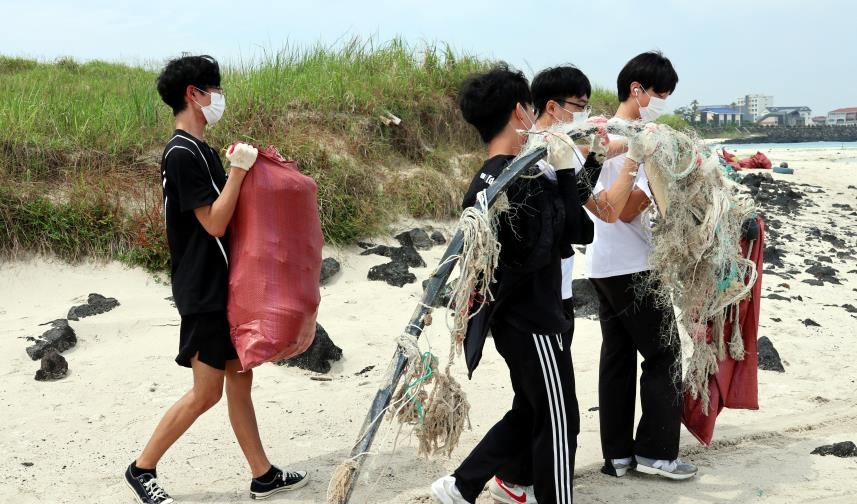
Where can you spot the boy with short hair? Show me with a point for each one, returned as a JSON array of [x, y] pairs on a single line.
[[616, 262], [199, 202]]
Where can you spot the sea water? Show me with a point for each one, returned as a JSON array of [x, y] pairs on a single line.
[[767, 147]]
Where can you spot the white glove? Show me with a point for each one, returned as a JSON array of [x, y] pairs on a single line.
[[242, 155], [560, 150], [643, 144]]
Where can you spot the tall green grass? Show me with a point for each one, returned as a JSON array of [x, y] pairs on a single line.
[[100, 127]]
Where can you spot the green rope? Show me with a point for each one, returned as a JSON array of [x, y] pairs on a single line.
[[425, 361], [724, 283]]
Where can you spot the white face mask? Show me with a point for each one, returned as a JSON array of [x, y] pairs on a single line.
[[579, 117], [214, 110], [656, 107]]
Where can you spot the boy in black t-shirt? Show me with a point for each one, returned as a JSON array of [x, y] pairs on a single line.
[[526, 319], [199, 201]]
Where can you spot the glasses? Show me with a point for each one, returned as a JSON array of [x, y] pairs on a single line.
[[213, 89], [584, 107]]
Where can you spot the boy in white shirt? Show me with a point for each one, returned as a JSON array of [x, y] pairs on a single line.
[[617, 262]]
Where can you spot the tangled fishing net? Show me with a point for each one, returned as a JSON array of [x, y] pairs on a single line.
[[696, 251]]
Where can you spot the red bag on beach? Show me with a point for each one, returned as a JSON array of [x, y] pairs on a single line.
[[757, 160], [275, 261], [735, 384]]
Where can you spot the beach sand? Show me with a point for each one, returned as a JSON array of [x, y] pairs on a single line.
[[69, 441]]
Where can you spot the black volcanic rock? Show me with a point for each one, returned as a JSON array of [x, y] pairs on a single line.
[[54, 367], [329, 268], [95, 304], [318, 356], [769, 358], [59, 337], [842, 450]]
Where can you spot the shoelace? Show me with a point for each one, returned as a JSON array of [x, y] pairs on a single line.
[[667, 465], [154, 490], [289, 475]]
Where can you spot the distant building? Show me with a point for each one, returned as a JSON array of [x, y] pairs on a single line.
[[819, 120], [786, 116], [718, 115], [842, 117], [753, 107], [803, 117]]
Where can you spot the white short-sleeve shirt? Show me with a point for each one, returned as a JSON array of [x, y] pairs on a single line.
[[619, 248]]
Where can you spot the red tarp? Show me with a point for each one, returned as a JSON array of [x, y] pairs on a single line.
[[735, 385], [275, 261], [757, 160]]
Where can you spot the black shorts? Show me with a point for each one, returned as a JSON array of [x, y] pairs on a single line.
[[205, 335]]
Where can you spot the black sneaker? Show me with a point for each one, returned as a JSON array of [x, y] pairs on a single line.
[[146, 488], [283, 480], [617, 469]]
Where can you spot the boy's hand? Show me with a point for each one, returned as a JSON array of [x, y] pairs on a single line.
[[242, 155], [560, 150], [600, 145], [643, 144]]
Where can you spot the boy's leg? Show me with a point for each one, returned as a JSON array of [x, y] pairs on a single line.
[[540, 367], [556, 419], [207, 390], [242, 416], [520, 470], [660, 382], [617, 372], [510, 438]]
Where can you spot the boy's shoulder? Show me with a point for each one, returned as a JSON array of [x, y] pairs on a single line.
[[184, 148], [487, 174]]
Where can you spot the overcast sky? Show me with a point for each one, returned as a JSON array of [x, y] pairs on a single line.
[[800, 52]]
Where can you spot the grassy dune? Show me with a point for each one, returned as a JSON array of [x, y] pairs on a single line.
[[80, 142]]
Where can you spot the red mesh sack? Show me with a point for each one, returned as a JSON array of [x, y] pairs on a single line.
[[274, 262]]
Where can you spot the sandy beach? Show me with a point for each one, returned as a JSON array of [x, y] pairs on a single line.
[[70, 440]]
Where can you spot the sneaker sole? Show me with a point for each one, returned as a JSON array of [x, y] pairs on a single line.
[[505, 499], [264, 495], [137, 497], [659, 472]]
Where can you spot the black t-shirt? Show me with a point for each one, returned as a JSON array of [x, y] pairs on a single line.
[[486, 176], [528, 291], [193, 177]]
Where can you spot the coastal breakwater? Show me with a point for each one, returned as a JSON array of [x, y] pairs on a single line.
[[794, 134]]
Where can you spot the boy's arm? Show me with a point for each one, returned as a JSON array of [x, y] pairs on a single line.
[[637, 202], [215, 217], [608, 205]]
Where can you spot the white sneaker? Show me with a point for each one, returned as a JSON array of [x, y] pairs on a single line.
[[444, 491], [509, 493], [672, 469]]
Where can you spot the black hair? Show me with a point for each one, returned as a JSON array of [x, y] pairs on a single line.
[[558, 83], [199, 71], [652, 70], [486, 100]]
